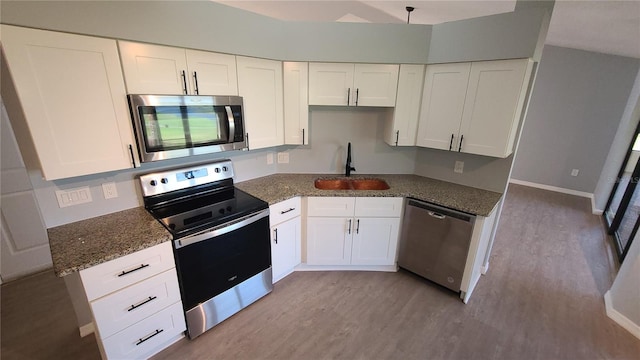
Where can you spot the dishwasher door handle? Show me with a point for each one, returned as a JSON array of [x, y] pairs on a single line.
[[436, 215]]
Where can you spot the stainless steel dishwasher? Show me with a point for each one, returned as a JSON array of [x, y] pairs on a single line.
[[434, 242]]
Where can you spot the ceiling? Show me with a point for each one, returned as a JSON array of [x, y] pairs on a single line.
[[606, 26]]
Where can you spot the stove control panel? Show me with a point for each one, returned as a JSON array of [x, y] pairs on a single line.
[[185, 177]]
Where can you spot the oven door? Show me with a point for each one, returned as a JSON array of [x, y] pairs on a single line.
[[212, 262]]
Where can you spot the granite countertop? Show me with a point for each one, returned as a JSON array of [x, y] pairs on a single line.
[[279, 187], [90, 242], [86, 243]]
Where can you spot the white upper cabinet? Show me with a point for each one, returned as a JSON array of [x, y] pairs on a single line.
[[164, 70], [353, 84], [473, 107], [401, 129], [445, 88], [73, 98], [492, 109], [260, 84], [296, 103]]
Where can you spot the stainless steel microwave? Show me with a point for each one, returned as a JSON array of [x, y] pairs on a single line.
[[173, 126]]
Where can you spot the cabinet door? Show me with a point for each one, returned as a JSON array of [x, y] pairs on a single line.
[[375, 85], [330, 84], [154, 69], [296, 103], [212, 73], [260, 84], [375, 241], [331, 206], [401, 131], [285, 248], [73, 97], [329, 240], [445, 88], [493, 106]]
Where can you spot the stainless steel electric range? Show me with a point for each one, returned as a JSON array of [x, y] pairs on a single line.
[[220, 239]]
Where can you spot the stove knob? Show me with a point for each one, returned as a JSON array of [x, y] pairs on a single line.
[[164, 180], [224, 168], [221, 211], [228, 208], [153, 183], [217, 170]]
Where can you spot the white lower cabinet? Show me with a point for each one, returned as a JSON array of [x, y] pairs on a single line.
[[286, 227], [352, 231], [139, 312]]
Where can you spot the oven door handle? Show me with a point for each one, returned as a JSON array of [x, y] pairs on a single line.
[[221, 230]]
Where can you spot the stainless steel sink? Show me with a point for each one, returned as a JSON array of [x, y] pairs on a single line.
[[351, 184]]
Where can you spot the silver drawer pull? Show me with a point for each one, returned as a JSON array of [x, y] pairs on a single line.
[[286, 211], [142, 266], [436, 215], [151, 298], [141, 340]]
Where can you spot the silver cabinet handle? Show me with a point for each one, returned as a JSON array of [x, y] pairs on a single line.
[[150, 298], [349, 230], [397, 136], [286, 211], [184, 82], [275, 235], [451, 143], [141, 340], [302, 136], [358, 226], [348, 96], [436, 215], [357, 95], [460, 147]]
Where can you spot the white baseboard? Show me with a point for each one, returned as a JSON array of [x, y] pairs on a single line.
[[87, 329], [385, 268], [620, 319], [484, 269], [560, 190]]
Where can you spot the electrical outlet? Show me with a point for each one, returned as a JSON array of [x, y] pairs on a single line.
[[283, 158], [72, 197], [269, 158], [575, 172], [109, 190], [458, 168]]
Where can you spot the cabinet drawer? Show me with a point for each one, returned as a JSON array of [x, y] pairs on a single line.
[[126, 307], [116, 274], [330, 206], [378, 207], [284, 211], [147, 337]]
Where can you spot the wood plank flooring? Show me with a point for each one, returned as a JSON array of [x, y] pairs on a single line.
[[541, 299]]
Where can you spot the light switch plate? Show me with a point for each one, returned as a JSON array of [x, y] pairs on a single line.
[[72, 197], [459, 167], [575, 172], [283, 158]]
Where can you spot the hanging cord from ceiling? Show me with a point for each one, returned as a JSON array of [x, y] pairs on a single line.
[[409, 10]]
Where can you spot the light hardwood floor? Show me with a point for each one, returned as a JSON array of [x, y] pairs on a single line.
[[542, 299]]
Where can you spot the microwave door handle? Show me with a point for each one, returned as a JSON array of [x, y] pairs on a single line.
[[232, 124]]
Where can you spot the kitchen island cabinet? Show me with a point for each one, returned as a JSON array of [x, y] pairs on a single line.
[[474, 107], [165, 70], [353, 84], [71, 102]]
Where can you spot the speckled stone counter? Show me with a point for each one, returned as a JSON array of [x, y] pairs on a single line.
[[278, 187], [86, 243]]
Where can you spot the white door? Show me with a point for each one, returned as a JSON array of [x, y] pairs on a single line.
[[331, 84], [212, 73], [329, 240], [154, 69], [260, 85], [445, 87], [23, 237], [296, 103], [404, 127], [493, 106], [375, 241], [285, 248], [375, 85]]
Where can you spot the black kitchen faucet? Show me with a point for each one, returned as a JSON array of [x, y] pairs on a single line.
[[348, 167]]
